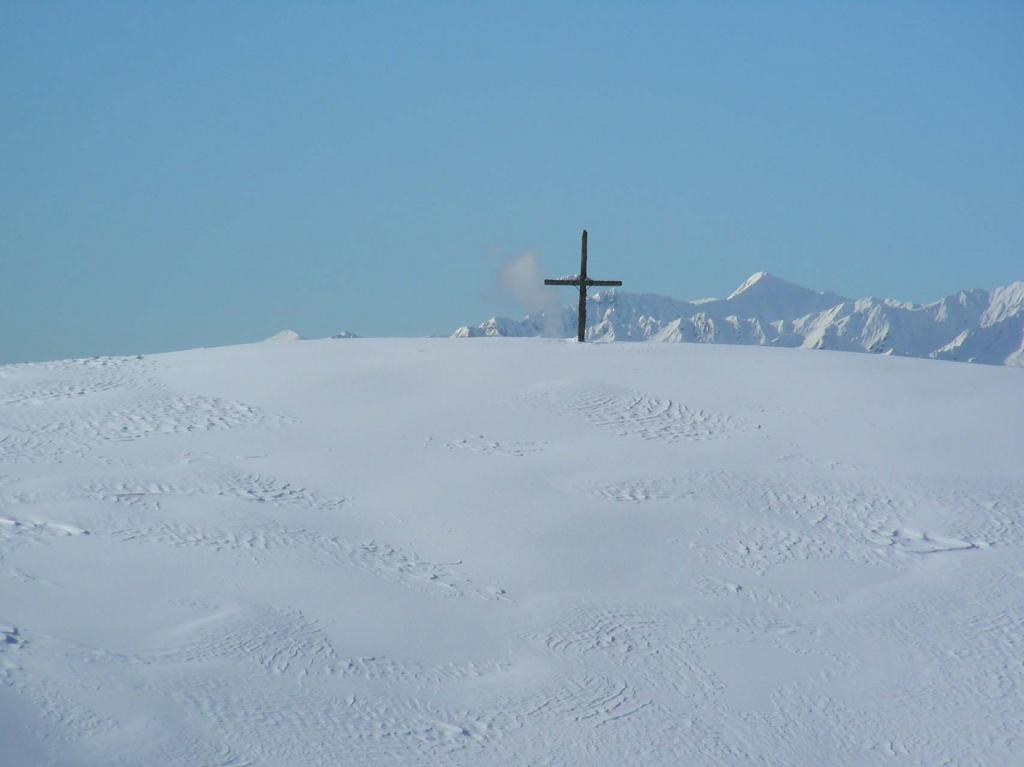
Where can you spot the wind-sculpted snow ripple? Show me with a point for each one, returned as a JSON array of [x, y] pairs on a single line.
[[191, 480], [162, 413], [53, 411], [308, 725], [968, 659], [52, 392], [657, 650], [644, 489], [268, 541], [875, 521], [763, 548], [274, 543], [635, 414], [70, 382], [591, 700], [230, 485], [411, 673], [163, 748], [57, 705], [280, 641], [314, 728], [73, 705], [24, 447], [25, 437], [857, 519], [478, 443]]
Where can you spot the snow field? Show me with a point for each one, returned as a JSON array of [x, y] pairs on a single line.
[[508, 552]]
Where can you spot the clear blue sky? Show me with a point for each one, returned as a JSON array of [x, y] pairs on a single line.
[[186, 174]]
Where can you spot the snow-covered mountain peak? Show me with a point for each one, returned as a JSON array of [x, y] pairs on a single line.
[[284, 335], [1006, 302], [757, 278], [604, 296], [769, 298], [763, 284]]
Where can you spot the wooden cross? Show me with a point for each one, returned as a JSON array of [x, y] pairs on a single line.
[[582, 281]]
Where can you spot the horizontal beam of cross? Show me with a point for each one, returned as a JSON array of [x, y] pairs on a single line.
[[588, 282]]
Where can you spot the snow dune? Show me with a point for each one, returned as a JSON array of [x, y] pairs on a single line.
[[509, 552]]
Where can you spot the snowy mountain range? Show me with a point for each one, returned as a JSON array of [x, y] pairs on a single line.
[[985, 326]]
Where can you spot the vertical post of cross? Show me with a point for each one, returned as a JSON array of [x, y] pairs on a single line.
[[581, 326]]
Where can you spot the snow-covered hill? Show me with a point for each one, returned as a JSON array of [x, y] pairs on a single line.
[[511, 552], [970, 326]]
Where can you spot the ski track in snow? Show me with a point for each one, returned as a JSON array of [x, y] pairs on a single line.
[[634, 414]]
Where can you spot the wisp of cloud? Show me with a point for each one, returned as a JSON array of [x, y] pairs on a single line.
[[523, 279]]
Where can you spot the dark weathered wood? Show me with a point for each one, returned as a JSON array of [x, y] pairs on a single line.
[[581, 322], [574, 281], [582, 281]]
